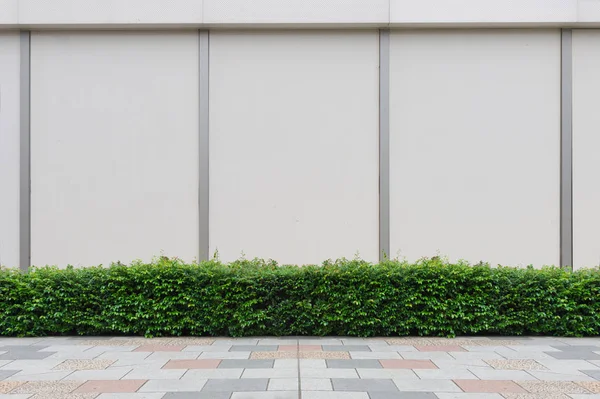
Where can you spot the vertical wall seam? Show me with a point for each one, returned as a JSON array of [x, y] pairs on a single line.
[[203, 188], [566, 149], [384, 144], [25, 152]]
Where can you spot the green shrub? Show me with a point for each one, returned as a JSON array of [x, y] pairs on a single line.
[[257, 298]]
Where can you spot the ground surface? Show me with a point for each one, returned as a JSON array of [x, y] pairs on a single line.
[[290, 368]]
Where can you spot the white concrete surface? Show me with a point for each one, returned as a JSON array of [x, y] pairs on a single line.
[[586, 142], [9, 148], [475, 128], [294, 145], [114, 146]]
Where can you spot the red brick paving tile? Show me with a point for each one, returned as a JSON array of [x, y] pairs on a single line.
[[489, 386], [159, 348], [114, 386], [302, 348], [192, 364], [407, 364], [439, 348]]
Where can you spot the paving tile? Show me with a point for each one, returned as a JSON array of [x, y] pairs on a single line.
[[159, 348], [536, 396], [166, 356], [551, 387], [461, 364], [283, 384], [253, 348], [15, 396], [320, 341], [439, 348], [572, 375], [127, 356], [197, 395], [375, 355], [426, 386], [323, 355], [407, 364], [346, 348], [31, 364], [592, 386], [583, 396], [532, 348], [38, 375], [265, 395], [175, 385], [487, 386], [568, 364], [7, 373], [47, 387], [84, 364], [7, 386], [328, 373], [392, 348], [64, 396], [387, 373], [360, 385], [236, 341], [278, 341], [192, 364], [468, 395], [24, 354], [446, 374], [316, 384], [212, 373], [245, 364], [111, 386], [595, 374], [153, 374], [511, 354], [565, 355], [136, 395], [207, 348], [476, 356], [486, 374], [270, 373], [426, 355], [334, 395], [521, 364], [293, 363], [353, 364], [577, 348], [310, 348], [85, 375], [248, 384], [224, 355], [402, 395]]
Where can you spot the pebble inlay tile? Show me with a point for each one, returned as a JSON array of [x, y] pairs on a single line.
[[47, 387], [84, 364], [273, 355], [324, 355], [536, 396], [7, 386], [520, 364], [552, 387], [591, 386], [65, 396]]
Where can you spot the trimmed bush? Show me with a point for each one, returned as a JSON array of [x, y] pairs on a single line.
[[258, 298]]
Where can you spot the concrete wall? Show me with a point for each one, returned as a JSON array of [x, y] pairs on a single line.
[[114, 146], [9, 148], [294, 145], [302, 12], [586, 142], [475, 135]]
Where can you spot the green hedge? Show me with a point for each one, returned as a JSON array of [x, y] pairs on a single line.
[[257, 298]]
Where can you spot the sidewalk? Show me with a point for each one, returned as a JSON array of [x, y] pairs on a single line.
[[307, 368]]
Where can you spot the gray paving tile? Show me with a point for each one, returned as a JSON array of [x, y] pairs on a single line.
[[347, 348], [577, 348], [7, 373], [402, 395], [353, 364], [562, 355], [197, 395], [24, 355], [360, 385], [265, 395], [253, 348], [245, 385], [334, 395], [26, 348], [595, 374], [246, 364]]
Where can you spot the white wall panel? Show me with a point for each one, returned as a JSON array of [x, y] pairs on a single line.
[[475, 128], [9, 148], [132, 12], [296, 11], [586, 143], [9, 12], [482, 11], [114, 146], [294, 145]]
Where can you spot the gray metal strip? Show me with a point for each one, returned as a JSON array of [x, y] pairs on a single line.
[[203, 188], [566, 150], [25, 155], [384, 144]]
